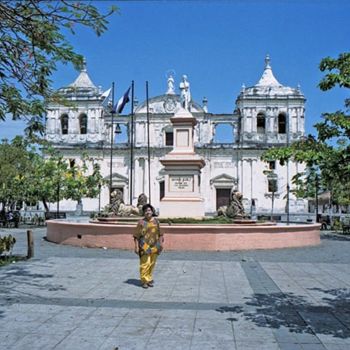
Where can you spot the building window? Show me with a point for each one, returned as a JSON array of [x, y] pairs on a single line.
[[83, 123], [272, 185], [71, 163], [64, 124], [260, 123], [282, 124], [169, 138], [272, 165], [161, 190]]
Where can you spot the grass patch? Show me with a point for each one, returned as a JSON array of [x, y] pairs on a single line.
[[208, 221]]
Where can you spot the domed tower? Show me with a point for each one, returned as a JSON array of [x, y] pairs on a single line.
[[270, 112], [80, 119]]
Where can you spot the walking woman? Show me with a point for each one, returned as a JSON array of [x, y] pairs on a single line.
[[148, 244]]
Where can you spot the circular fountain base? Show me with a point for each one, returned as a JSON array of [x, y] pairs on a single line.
[[187, 237]]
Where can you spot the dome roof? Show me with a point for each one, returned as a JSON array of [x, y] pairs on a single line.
[[269, 85], [82, 86]]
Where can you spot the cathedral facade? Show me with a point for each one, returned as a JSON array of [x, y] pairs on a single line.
[[265, 115]]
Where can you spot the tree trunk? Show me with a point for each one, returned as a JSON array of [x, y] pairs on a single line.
[[45, 205], [79, 208]]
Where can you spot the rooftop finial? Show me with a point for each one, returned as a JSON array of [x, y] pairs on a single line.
[[205, 104], [267, 78], [83, 68]]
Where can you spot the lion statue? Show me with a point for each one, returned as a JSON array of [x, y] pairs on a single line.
[[235, 209], [141, 201], [116, 201]]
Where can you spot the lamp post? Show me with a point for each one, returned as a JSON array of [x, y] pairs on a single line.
[[288, 187], [116, 132], [111, 150], [316, 197], [99, 198]]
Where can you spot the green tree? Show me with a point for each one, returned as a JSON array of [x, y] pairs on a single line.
[[80, 183], [328, 153], [15, 162], [45, 182], [27, 176], [53, 178], [33, 41]]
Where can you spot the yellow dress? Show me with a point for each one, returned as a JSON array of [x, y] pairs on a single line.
[[148, 236]]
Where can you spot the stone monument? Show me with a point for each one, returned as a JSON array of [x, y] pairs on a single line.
[[182, 169]]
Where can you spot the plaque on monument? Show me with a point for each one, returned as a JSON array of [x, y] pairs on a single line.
[[181, 183]]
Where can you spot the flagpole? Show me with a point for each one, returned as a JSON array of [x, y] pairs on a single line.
[[148, 148], [132, 142], [111, 155]]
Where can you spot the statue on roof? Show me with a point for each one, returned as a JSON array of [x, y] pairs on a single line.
[[185, 93], [171, 86]]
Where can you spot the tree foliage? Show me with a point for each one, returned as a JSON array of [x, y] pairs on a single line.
[[33, 41], [26, 176], [326, 155]]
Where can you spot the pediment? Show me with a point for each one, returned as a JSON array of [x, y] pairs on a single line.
[[117, 178], [223, 179]]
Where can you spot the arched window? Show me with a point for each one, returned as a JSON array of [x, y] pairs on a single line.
[[260, 123], [64, 124], [282, 123], [83, 123]]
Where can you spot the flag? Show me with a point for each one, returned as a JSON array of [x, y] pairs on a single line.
[[107, 97], [118, 108]]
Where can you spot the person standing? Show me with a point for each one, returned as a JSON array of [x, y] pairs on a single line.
[[148, 244]]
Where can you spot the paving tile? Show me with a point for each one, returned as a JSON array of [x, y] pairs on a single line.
[[80, 342], [213, 345], [7, 339], [37, 341], [124, 343], [251, 304], [261, 345], [289, 346]]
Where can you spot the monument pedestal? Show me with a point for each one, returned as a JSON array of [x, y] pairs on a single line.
[[182, 166], [182, 207]]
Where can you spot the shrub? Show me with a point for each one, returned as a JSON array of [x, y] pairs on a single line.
[[6, 244]]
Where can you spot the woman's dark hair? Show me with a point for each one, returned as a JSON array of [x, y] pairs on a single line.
[[146, 206]]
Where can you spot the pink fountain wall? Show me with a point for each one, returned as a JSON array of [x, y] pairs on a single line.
[[186, 237]]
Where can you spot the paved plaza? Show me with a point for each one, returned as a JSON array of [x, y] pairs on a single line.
[[76, 298]]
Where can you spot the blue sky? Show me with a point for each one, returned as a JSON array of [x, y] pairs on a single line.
[[219, 44]]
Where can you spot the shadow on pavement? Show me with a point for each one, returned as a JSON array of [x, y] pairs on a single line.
[[22, 277], [334, 237], [133, 282], [297, 314]]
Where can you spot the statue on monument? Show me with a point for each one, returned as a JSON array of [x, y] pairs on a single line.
[[185, 93]]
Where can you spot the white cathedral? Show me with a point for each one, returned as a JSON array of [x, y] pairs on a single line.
[[265, 115]]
